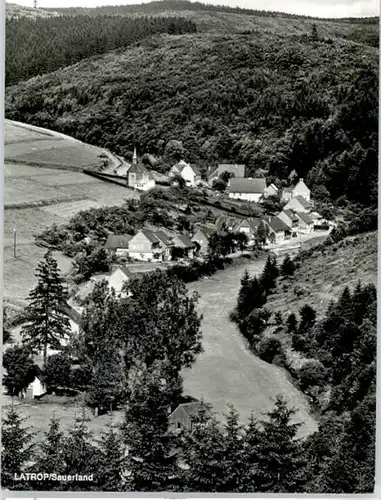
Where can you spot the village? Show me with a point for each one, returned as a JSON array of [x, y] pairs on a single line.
[[152, 248]]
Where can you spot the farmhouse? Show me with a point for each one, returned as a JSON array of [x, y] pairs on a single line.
[[237, 171], [248, 226], [247, 188], [185, 414], [298, 204], [167, 243], [186, 244], [278, 230], [271, 190], [201, 238], [117, 244], [306, 223], [299, 190], [190, 174], [145, 245], [290, 218]]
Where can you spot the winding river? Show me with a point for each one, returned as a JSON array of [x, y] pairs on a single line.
[[227, 372]]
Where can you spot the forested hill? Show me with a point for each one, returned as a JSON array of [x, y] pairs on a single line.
[[13, 10], [273, 101]]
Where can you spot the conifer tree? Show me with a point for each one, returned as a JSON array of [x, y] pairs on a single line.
[[280, 457], [292, 323], [233, 463], [287, 267], [269, 274], [204, 454], [47, 325], [111, 462], [251, 442], [7, 337], [17, 449], [146, 435], [79, 454], [244, 303], [50, 458]]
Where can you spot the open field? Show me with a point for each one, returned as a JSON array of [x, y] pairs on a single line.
[[44, 196]]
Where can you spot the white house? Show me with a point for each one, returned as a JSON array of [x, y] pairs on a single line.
[[294, 191], [189, 173], [35, 389], [278, 230], [306, 223], [290, 218], [246, 188], [119, 275]]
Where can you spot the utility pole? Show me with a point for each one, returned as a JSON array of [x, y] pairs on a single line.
[[14, 243], [35, 4]]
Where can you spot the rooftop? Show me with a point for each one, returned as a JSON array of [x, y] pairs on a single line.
[[247, 185], [277, 224], [115, 241]]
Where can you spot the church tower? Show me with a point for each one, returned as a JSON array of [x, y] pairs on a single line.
[[135, 157]]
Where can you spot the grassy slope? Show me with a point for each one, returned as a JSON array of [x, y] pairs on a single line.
[[324, 274]]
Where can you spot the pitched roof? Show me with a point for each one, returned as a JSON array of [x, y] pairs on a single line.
[[206, 230], [183, 238], [124, 270], [192, 409], [150, 235], [305, 218], [301, 183], [288, 189], [253, 223], [247, 185], [277, 224], [182, 164], [272, 185], [115, 241], [291, 214], [164, 238], [137, 168], [303, 201]]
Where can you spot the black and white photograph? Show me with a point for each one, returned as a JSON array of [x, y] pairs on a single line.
[[190, 246]]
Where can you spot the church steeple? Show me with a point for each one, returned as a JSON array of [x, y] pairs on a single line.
[[135, 157]]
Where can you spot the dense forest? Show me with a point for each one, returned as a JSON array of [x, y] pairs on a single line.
[[42, 45], [273, 102]]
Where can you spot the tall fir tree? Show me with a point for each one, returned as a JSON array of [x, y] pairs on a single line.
[[50, 459], [269, 274], [280, 453], [111, 465], [251, 443], [204, 455], [146, 434], [234, 462], [20, 369], [47, 325], [244, 302], [17, 450], [287, 267]]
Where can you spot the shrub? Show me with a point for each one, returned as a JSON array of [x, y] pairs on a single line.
[[312, 373], [268, 348]]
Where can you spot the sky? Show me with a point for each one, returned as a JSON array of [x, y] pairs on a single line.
[[316, 8]]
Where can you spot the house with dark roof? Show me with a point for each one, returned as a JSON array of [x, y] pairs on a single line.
[[290, 218], [185, 243], [190, 173], [306, 223], [237, 171], [145, 245], [298, 204], [278, 230], [247, 188], [117, 244], [248, 226], [185, 414], [201, 238]]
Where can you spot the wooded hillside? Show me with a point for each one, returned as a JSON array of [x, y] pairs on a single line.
[[275, 102]]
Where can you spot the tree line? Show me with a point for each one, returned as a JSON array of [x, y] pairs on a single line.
[[42, 45]]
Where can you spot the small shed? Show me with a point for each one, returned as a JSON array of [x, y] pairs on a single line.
[[184, 415]]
